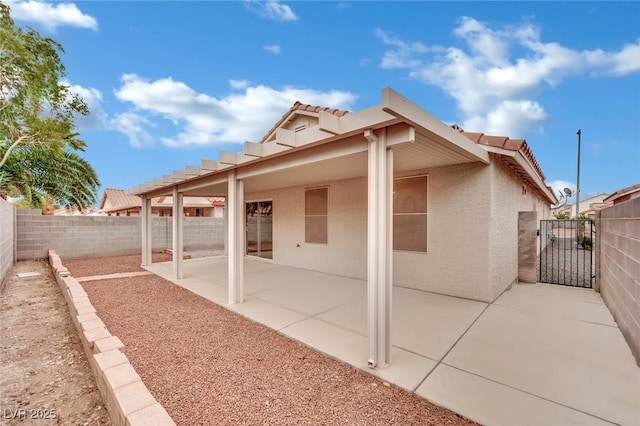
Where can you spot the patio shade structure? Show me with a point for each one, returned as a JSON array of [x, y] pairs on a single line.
[[392, 137]]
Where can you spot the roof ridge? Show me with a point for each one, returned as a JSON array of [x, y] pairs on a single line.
[[299, 106]]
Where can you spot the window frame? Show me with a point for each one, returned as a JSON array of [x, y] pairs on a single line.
[[426, 213], [326, 215]]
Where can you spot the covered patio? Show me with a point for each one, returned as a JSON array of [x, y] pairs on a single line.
[[540, 354]]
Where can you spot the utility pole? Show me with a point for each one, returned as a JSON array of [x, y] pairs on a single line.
[[579, 133]]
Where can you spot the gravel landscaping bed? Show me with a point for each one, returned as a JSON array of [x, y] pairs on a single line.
[[207, 365]]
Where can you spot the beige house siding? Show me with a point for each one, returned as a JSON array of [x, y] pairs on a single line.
[[468, 255], [346, 251], [508, 197], [457, 261]]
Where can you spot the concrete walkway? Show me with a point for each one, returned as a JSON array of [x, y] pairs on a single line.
[[539, 355]]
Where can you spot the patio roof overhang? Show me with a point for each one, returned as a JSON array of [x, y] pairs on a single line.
[[521, 165], [334, 149]]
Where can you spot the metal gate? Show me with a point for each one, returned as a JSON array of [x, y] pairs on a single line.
[[566, 252]]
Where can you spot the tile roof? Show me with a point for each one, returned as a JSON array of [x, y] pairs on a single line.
[[622, 192], [299, 106], [504, 142], [117, 197], [118, 200]]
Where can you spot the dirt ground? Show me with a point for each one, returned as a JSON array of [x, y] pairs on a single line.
[[45, 378]]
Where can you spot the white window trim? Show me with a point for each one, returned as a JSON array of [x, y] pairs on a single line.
[[426, 175], [327, 215]]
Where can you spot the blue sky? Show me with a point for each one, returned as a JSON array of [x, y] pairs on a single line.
[[170, 83]]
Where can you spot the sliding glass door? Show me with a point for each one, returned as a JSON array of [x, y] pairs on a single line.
[[260, 229]]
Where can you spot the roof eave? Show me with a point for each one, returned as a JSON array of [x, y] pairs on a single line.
[[397, 105]]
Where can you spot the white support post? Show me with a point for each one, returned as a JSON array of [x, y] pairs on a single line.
[[178, 215], [379, 248], [225, 215], [388, 255], [147, 237], [235, 220]]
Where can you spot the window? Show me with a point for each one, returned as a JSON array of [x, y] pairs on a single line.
[[410, 214], [316, 207]]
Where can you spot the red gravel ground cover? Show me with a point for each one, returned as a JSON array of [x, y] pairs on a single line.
[[207, 365]]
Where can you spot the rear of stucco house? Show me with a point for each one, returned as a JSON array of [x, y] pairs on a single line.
[[471, 233], [455, 200]]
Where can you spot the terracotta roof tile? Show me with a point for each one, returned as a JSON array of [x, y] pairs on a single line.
[[503, 142], [622, 192], [117, 198], [299, 106]]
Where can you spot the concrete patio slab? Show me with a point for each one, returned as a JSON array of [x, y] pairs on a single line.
[[583, 365], [428, 324], [540, 354], [311, 297], [406, 371], [492, 403], [266, 313], [581, 304]]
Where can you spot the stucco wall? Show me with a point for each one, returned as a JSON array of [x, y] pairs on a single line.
[[466, 215], [346, 251], [508, 197], [7, 235], [456, 262], [458, 232], [618, 266], [92, 236]]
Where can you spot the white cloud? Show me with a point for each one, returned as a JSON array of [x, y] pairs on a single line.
[[133, 125], [238, 84], [271, 9], [509, 118], [405, 54], [274, 48], [202, 119], [97, 118], [493, 90], [51, 16]]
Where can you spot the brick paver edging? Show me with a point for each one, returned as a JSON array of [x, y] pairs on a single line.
[[126, 397]]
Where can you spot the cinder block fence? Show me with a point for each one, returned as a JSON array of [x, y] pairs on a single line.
[[618, 267], [94, 236]]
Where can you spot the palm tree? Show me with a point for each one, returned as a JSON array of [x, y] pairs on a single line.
[[40, 173]]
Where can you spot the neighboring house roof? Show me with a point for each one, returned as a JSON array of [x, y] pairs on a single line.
[[86, 211], [117, 199], [299, 108], [624, 194]]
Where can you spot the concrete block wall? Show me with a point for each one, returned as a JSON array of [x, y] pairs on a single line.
[[618, 267], [7, 238], [95, 236]]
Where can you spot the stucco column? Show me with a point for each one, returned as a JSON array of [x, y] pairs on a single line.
[[178, 219], [527, 247], [235, 237], [147, 237], [379, 248]]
